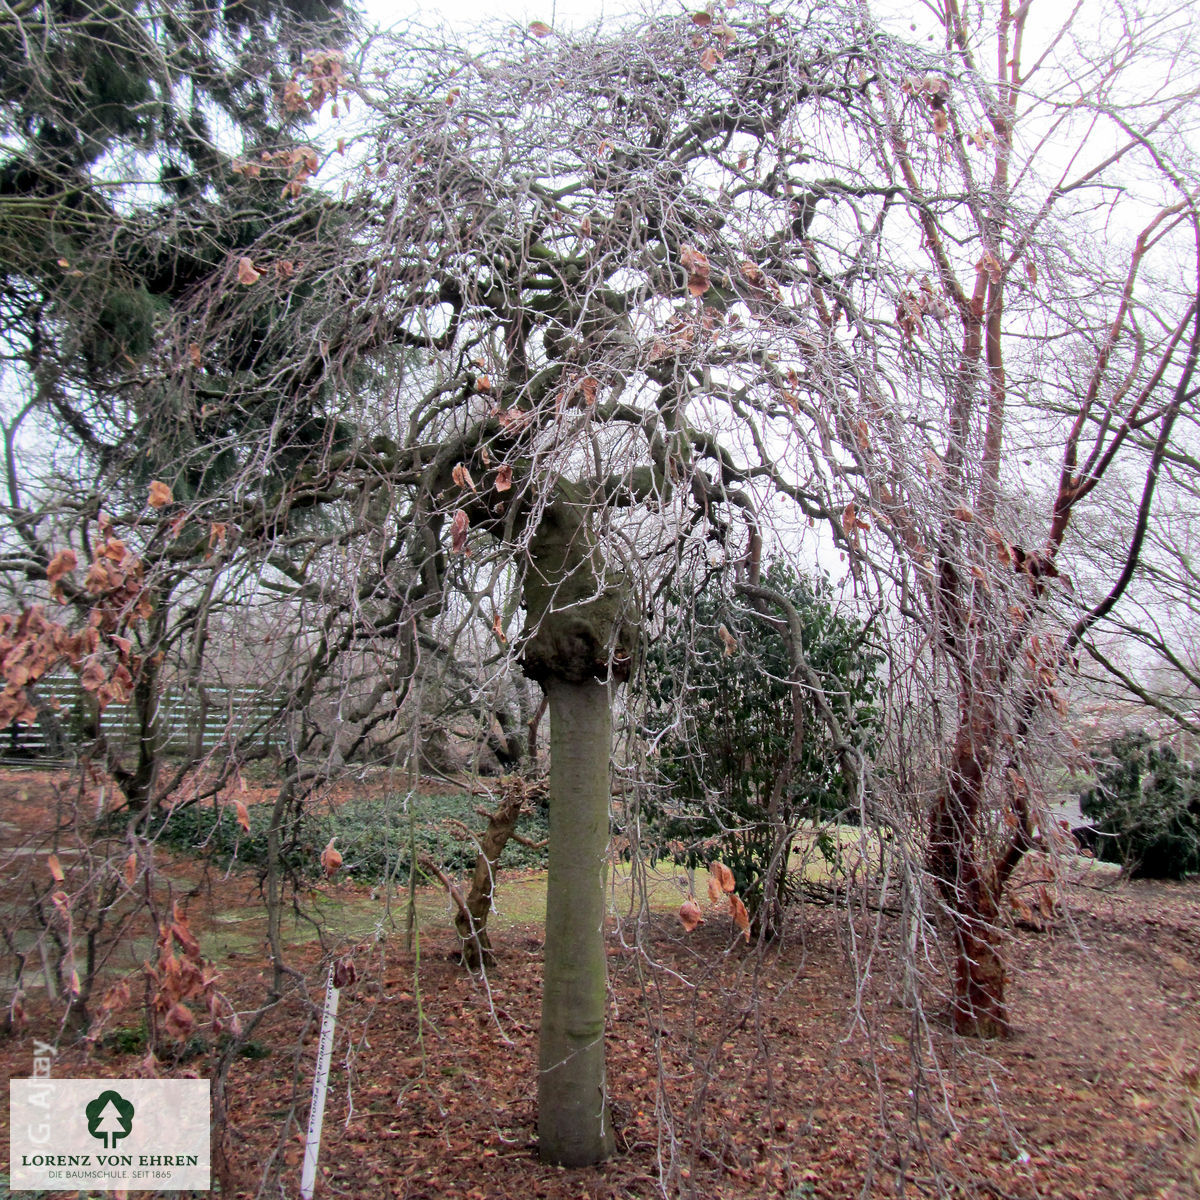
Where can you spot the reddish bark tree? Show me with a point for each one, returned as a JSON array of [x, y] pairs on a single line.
[[1006, 621]]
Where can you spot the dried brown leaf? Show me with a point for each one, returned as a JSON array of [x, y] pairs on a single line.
[[696, 265], [458, 532], [690, 915], [331, 859], [723, 875], [741, 918], [63, 563], [179, 1021]]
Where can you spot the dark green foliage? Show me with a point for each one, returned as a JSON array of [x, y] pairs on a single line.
[[124, 325], [134, 1039], [1146, 808], [726, 730], [119, 199], [129, 1039], [372, 836]]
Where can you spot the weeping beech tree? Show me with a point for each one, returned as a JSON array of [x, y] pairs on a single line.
[[533, 379]]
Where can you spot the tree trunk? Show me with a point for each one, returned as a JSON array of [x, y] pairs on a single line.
[[573, 1124], [979, 978], [576, 643], [970, 890], [473, 912]]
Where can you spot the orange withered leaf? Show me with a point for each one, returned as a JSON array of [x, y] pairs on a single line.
[[182, 934], [458, 532], [690, 915], [741, 918], [93, 675], [63, 563], [179, 1021], [331, 859], [243, 814], [247, 273], [504, 478], [160, 494], [56, 870], [723, 875], [697, 268]]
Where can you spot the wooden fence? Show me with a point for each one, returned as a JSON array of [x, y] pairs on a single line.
[[190, 721]]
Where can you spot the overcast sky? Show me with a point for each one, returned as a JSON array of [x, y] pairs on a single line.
[[464, 13]]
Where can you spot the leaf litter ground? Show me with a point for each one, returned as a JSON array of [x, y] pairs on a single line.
[[732, 1073]]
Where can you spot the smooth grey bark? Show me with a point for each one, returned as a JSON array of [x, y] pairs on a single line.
[[577, 644], [573, 1124]]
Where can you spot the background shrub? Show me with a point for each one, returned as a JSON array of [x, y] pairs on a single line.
[[722, 717], [1146, 808], [375, 836]]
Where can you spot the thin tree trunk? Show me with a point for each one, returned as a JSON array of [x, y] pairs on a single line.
[[283, 801], [532, 741], [473, 912], [573, 1124], [980, 1008], [969, 888]]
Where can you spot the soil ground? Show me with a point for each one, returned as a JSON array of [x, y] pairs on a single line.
[[796, 1070]]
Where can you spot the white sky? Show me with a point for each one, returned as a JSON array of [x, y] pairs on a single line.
[[465, 13], [565, 14]]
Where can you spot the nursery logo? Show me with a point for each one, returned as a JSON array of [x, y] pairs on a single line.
[[109, 1134], [109, 1118]]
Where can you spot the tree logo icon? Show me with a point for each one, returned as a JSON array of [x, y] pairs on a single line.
[[109, 1117]]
